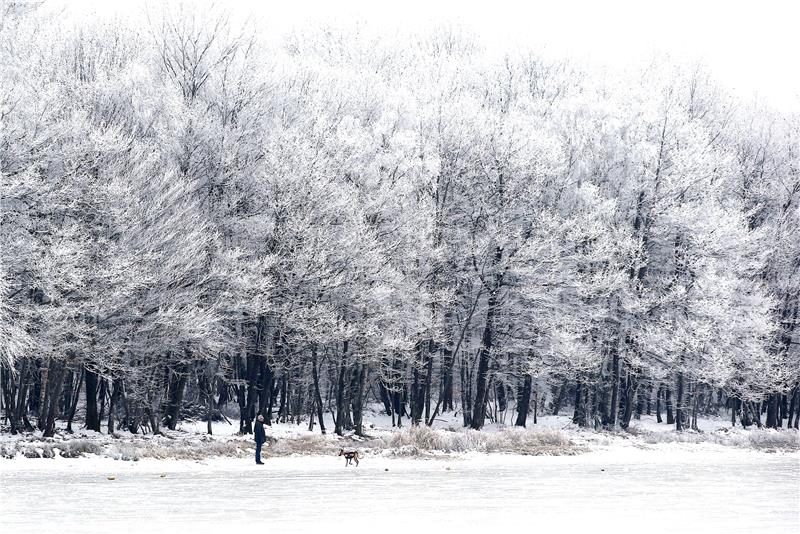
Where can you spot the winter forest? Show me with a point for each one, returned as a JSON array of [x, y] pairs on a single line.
[[198, 221]]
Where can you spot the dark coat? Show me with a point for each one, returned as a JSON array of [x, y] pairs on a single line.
[[260, 434]]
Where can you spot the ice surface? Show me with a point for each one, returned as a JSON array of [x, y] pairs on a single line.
[[666, 490]]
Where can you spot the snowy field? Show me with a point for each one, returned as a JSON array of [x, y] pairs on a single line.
[[624, 489]]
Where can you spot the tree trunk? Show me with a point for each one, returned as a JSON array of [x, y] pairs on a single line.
[[793, 397], [429, 379], [558, 400], [659, 394], [772, 411], [446, 388], [784, 408], [249, 394], [340, 393], [631, 390], [317, 395], [524, 402], [756, 414], [386, 399], [92, 415], [9, 390], [679, 412], [358, 400], [579, 415], [417, 397], [101, 397], [668, 403], [21, 404], [69, 390], [484, 356], [284, 405], [612, 420], [178, 381], [55, 385], [466, 392], [116, 391]]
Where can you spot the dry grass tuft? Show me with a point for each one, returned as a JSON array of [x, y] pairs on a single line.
[[422, 440]]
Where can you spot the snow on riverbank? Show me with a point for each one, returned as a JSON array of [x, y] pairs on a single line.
[[552, 435]]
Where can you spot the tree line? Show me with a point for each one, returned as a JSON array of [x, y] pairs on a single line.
[[196, 218]]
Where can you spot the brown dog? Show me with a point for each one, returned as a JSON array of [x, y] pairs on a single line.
[[349, 456]]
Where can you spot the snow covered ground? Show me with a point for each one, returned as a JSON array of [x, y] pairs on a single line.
[[624, 489], [651, 479], [552, 435]]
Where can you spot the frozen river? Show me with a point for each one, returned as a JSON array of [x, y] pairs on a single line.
[[725, 491]]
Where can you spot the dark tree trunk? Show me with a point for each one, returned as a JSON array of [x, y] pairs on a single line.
[[270, 396], [399, 393], [283, 406], [358, 400], [640, 403], [579, 415], [178, 379], [429, 379], [250, 394], [659, 394], [417, 397], [317, 395], [612, 419], [784, 408], [679, 412], [9, 390], [745, 416], [399, 405], [385, 397], [55, 384], [101, 397], [241, 400], [500, 396], [75, 396], [223, 393], [92, 415], [558, 400], [793, 398], [524, 402], [340, 394], [466, 393], [696, 398], [772, 411], [484, 356], [446, 389], [116, 391], [668, 403], [756, 414], [69, 390], [631, 390], [21, 404], [796, 410]]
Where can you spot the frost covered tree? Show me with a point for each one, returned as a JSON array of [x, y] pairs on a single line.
[[201, 221]]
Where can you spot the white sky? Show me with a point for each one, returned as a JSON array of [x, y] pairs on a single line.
[[752, 47]]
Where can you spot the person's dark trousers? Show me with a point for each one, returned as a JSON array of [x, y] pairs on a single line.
[[258, 452]]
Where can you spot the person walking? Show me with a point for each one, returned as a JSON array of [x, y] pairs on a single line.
[[261, 437]]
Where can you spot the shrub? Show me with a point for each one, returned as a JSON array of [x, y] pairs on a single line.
[[425, 440]]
